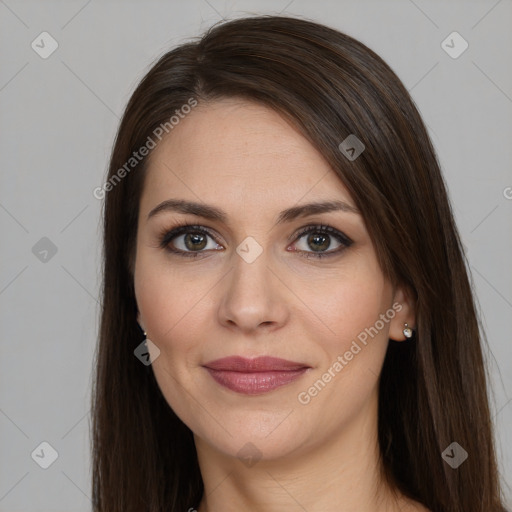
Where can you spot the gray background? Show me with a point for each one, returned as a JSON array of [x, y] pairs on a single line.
[[58, 120]]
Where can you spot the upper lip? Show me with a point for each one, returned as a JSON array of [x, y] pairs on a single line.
[[257, 364]]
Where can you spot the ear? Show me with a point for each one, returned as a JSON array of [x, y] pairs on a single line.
[[403, 305]]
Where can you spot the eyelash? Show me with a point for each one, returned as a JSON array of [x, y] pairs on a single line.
[[166, 236]]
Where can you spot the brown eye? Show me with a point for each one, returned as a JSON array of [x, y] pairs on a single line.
[[195, 241], [188, 240], [318, 241]]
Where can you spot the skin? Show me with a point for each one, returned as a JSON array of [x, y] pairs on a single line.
[[320, 456]]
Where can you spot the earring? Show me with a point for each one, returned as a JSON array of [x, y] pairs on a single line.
[[408, 332]]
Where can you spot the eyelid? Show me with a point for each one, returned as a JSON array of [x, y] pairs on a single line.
[[322, 228], [166, 235]]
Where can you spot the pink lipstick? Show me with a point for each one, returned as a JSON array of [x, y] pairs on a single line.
[[254, 376]]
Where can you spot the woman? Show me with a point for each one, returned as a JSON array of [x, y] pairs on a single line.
[[287, 318]]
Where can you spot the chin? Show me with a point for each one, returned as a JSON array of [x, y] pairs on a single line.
[[251, 447], [257, 434]]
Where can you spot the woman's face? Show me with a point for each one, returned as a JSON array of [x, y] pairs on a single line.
[[252, 285]]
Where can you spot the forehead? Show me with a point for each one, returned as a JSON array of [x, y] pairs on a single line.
[[233, 150]]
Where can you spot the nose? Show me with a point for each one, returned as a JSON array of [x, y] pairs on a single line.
[[253, 297]]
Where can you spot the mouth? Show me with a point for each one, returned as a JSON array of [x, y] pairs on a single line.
[[254, 376]]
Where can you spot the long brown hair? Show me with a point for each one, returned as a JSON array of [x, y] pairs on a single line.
[[432, 391]]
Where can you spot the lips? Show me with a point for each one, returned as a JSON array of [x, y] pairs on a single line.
[[254, 376], [258, 364]]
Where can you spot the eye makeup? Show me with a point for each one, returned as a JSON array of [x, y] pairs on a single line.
[[197, 234]]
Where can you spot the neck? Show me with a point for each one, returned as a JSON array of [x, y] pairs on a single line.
[[343, 475]]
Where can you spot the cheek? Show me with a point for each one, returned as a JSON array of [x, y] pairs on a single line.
[[167, 312], [355, 308], [347, 302], [172, 304], [154, 291], [354, 340]]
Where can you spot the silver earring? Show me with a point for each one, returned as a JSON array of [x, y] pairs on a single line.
[[145, 334], [408, 332]]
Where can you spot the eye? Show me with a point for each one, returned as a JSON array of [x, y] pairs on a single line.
[[187, 240], [192, 240], [320, 238]]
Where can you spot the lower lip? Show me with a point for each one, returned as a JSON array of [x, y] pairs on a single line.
[[255, 383]]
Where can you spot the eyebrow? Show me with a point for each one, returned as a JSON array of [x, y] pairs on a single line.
[[214, 213]]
